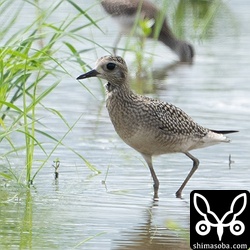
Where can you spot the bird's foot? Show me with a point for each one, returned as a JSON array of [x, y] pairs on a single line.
[[178, 194]]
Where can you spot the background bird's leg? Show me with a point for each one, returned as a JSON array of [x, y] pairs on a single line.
[[195, 166], [148, 159], [117, 40]]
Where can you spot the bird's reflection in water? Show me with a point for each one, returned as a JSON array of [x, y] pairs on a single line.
[[151, 82], [147, 236]]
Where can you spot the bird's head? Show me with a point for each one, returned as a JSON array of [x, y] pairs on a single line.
[[111, 68], [185, 51]]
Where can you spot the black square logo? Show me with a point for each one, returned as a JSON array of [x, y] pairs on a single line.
[[219, 219]]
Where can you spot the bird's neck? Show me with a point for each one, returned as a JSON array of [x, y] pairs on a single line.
[[119, 103], [109, 87], [118, 88], [167, 37], [118, 93]]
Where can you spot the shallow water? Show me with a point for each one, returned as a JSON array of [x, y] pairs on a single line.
[[115, 209]]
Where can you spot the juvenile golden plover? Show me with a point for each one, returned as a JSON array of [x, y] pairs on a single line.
[[150, 126]]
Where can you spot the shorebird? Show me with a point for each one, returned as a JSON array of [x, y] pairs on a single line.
[[150, 126], [125, 13]]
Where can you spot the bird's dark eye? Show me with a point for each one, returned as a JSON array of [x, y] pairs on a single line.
[[110, 66]]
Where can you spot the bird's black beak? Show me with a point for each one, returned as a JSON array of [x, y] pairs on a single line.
[[89, 74]]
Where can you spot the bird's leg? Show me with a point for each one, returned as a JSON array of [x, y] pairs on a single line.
[[195, 166], [117, 40], [148, 159]]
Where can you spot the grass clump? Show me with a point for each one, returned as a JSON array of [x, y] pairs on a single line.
[[29, 57]]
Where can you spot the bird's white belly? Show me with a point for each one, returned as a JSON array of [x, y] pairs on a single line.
[[147, 143]]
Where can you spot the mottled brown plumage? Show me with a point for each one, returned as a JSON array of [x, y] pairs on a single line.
[[150, 126]]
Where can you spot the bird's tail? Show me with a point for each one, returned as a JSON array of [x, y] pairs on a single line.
[[224, 131], [214, 137], [219, 135]]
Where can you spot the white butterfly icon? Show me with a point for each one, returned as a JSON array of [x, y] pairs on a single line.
[[203, 227]]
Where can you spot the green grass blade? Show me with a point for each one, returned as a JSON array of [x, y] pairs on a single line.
[[85, 14], [11, 105]]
